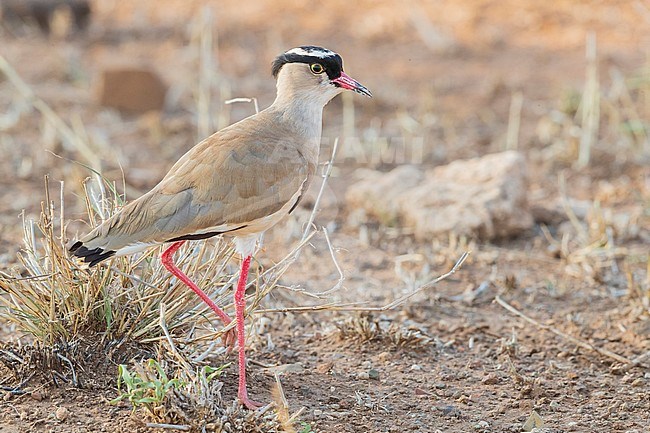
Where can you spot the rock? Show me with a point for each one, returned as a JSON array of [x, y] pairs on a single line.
[[61, 413], [638, 382], [482, 197], [379, 193], [534, 421], [555, 212], [132, 90]]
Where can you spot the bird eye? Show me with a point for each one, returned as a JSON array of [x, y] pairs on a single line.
[[317, 68]]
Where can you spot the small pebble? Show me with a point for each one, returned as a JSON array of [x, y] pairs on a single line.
[[481, 424], [490, 379], [373, 374], [366, 364], [263, 325], [383, 356], [324, 367], [363, 375], [318, 412], [61, 413], [416, 367]]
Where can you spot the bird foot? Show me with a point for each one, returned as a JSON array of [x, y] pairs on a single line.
[[250, 404], [229, 339]]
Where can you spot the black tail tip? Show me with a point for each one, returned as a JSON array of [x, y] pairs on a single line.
[[92, 257], [75, 246]]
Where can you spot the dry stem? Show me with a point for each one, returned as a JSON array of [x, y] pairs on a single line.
[[355, 306], [574, 340]]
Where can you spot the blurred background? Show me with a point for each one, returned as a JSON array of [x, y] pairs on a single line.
[[138, 83], [558, 90]]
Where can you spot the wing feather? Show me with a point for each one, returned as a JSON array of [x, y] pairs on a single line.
[[235, 176]]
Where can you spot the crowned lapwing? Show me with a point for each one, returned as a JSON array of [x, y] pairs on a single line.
[[238, 182]]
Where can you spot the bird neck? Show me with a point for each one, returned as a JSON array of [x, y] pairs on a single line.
[[302, 111]]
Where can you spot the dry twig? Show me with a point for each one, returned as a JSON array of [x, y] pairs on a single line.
[[168, 426], [356, 306], [326, 176], [574, 340]]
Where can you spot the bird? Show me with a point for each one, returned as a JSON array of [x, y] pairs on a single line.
[[238, 182]]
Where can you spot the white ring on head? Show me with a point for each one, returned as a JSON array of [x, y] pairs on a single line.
[[320, 53]]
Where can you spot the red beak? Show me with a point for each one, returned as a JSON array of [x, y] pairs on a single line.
[[349, 83]]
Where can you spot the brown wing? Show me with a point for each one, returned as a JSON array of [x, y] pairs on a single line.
[[234, 177]]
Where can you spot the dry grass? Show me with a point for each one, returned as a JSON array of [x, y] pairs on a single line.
[[68, 310], [601, 126], [605, 119], [365, 328], [58, 302]]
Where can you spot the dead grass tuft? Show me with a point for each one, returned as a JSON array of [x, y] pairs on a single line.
[[601, 246], [57, 301], [364, 328]]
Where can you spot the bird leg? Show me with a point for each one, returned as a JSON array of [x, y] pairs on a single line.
[[167, 260], [240, 309]]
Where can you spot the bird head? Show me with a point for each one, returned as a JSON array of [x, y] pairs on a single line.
[[313, 72]]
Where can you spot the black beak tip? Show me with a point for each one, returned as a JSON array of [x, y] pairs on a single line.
[[363, 91]]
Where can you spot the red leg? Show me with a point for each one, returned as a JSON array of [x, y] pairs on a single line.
[[167, 260], [240, 307]]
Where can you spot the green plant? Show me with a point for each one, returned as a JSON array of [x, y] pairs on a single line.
[[146, 386], [306, 427]]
